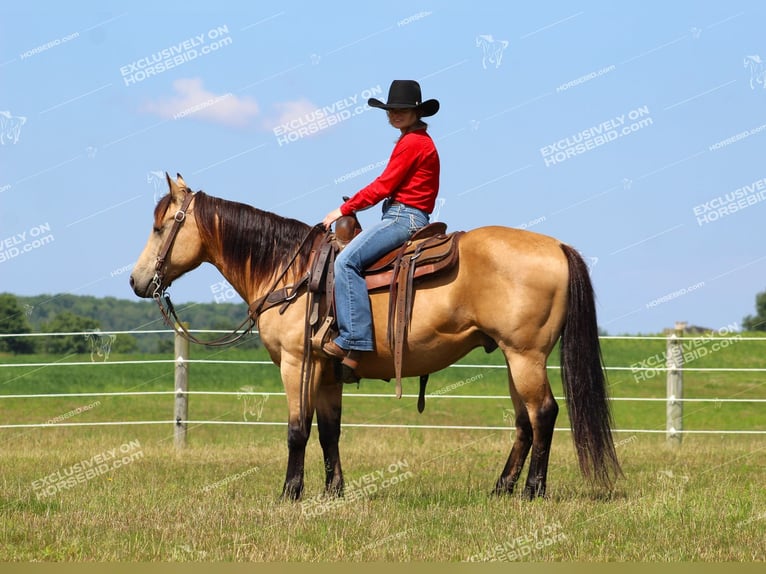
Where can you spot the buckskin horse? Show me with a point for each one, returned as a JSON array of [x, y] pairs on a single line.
[[512, 289]]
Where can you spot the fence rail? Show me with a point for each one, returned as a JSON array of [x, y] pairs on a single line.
[[456, 366], [360, 425], [674, 399], [355, 395]]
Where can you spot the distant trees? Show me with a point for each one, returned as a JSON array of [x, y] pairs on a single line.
[[757, 322], [67, 322], [13, 319], [66, 313]]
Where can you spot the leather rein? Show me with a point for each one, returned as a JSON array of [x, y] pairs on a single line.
[[273, 297]]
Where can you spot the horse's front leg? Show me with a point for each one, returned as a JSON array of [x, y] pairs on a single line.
[[298, 428], [297, 438], [329, 397]]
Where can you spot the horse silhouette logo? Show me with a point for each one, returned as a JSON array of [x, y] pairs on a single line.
[[757, 73], [252, 405], [492, 50], [10, 127], [157, 180], [100, 344], [669, 474]]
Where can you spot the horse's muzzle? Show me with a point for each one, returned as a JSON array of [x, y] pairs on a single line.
[[142, 290]]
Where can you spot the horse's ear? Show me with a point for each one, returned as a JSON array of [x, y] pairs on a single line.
[[180, 181], [176, 190]]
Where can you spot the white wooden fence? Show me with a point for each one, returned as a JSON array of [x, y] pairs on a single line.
[[671, 362]]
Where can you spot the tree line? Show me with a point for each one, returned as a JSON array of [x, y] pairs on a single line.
[[66, 313]]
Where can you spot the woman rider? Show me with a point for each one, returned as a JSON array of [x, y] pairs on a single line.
[[408, 188]]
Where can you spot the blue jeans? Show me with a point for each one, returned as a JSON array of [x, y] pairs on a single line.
[[352, 304]]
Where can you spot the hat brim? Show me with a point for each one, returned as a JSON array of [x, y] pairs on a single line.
[[426, 109]]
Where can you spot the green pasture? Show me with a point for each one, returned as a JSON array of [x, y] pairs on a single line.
[[412, 494], [478, 374]]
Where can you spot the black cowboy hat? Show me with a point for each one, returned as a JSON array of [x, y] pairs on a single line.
[[403, 95]]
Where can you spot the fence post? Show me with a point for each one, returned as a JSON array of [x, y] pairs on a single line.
[[675, 386], [181, 415]]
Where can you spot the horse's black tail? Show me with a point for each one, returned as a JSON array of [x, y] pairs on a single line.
[[584, 379]]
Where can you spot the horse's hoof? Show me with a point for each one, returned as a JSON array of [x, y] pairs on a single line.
[[533, 492], [335, 490], [293, 493]]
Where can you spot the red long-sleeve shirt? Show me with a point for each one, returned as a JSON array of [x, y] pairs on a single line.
[[411, 176]]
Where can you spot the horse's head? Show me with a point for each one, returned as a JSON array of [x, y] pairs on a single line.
[[174, 246]]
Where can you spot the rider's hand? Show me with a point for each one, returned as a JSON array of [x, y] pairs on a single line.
[[331, 217]]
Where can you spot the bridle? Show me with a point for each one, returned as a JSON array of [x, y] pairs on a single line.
[[273, 297], [178, 220], [163, 298]]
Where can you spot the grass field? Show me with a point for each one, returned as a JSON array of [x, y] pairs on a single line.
[[412, 494]]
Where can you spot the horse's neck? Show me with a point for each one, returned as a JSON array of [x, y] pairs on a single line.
[[259, 247], [248, 285]]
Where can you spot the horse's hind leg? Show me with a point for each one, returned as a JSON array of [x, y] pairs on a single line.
[[329, 396], [521, 445], [539, 412], [547, 412]]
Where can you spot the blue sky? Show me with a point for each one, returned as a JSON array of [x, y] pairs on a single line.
[[633, 131]]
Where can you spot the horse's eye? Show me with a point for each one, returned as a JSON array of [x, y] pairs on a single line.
[[156, 229]]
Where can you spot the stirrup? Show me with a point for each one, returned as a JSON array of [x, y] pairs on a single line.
[[324, 333]]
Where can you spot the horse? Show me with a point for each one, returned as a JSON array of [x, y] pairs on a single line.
[[512, 289]]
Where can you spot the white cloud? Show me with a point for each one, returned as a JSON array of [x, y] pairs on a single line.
[[192, 100], [287, 111]]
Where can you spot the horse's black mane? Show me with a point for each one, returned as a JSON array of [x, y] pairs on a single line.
[[254, 243]]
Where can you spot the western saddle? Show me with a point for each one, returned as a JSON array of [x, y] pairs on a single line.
[[430, 251]]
